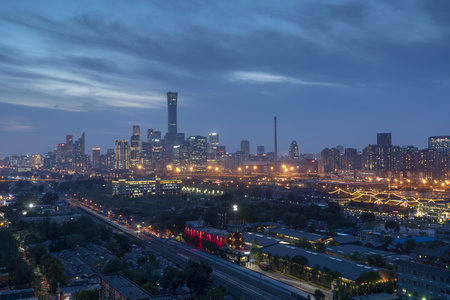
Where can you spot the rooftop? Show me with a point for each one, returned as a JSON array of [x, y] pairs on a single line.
[[349, 269], [126, 287], [298, 234]]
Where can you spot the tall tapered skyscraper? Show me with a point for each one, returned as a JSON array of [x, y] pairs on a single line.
[[172, 117], [135, 146]]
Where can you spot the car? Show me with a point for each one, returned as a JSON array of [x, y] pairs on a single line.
[[265, 267]]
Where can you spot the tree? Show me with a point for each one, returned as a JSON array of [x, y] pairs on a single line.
[[376, 260], [88, 294], [369, 277], [218, 293], [153, 290], [367, 217], [409, 246], [254, 248], [172, 279], [318, 295], [357, 256], [320, 247], [198, 277], [301, 260], [391, 224]]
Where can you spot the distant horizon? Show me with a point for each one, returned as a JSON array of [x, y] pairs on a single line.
[[103, 150], [334, 73]]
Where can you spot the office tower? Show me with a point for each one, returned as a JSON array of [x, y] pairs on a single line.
[[110, 159], [60, 153], [275, 146], [149, 135], [49, 160], [122, 155], [156, 135], [69, 145], [340, 148], [384, 139], [79, 148], [440, 143], [95, 157], [135, 146], [37, 161], [146, 153], [172, 117], [221, 150], [157, 152], [245, 147], [293, 151], [82, 163], [196, 150], [213, 143], [260, 150]]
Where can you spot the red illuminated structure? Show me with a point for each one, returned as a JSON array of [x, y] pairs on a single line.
[[206, 238]]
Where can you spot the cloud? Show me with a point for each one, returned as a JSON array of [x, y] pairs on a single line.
[[14, 126], [260, 77]]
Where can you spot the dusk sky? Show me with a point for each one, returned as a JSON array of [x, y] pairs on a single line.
[[333, 72]]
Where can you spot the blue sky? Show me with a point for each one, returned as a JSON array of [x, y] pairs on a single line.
[[333, 72]]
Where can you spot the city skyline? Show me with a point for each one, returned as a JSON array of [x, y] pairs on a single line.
[[363, 69]]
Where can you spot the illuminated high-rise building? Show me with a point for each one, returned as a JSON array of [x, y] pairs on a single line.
[[172, 98], [79, 148], [293, 151], [196, 151], [149, 135], [110, 159], [135, 146], [440, 143], [95, 157], [213, 144], [146, 153], [122, 155], [69, 145]]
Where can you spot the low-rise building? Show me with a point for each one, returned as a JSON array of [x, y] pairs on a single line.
[[118, 287], [139, 188], [204, 237], [296, 235], [417, 281], [349, 270]]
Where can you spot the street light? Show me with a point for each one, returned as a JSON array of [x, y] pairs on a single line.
[[235, 209]]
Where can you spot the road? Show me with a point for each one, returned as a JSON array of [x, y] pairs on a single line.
[[240, 282]]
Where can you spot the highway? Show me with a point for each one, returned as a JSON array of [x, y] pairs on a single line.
[[240, 282]]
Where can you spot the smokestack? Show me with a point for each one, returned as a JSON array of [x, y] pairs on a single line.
[[275, 142]]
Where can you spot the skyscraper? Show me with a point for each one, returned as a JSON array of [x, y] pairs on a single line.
[[69, 145], [122, 155], [260, 150], [149, 135], [213, 144], [245, 147], [196, 153], [172, 131], [95, 157], [79, 148], [293, 151], [135, 146]]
